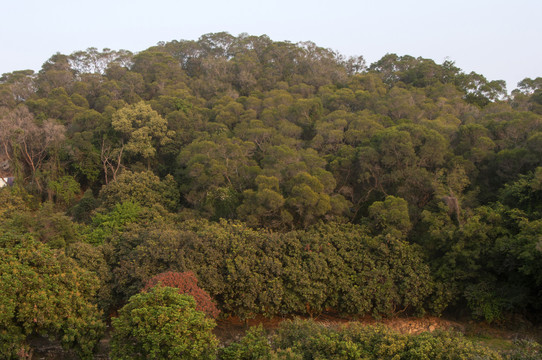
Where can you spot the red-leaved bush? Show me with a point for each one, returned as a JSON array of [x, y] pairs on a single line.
[[187, 283]]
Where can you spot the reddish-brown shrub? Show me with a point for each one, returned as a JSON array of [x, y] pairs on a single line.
[[187, 283]]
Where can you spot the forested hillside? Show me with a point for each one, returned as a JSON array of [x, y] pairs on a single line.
[[287, 178]]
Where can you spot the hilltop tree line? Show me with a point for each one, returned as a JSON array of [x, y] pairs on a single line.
[[286, 178]]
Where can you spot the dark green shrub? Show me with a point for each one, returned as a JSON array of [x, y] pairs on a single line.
[[253, 346]]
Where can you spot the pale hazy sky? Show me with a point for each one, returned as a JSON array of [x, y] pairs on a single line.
[[499, 39]]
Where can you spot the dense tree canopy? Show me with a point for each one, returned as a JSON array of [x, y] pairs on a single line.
[[288, 178]]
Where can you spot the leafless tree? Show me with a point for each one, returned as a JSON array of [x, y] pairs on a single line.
[[23, 139], [111, 159]]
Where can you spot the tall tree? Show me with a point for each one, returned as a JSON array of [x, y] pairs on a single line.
[[142, 130]]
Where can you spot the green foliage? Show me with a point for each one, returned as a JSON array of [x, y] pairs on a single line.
[[54, 228], [143, 188], [524, 193], [44, 292], [221, 202], [307, 198], [310, 340], [65, 189], [214, 170], [390, 217], [162, 324], [264, 207], [483, 301], [142, 129], [47, 224], [525, 350], [82, 210], [92, 258], [253, 346], [104, 225], [491, 261], [250, 272], [344, 268], [231, 259], [13, 202], [288, 143]]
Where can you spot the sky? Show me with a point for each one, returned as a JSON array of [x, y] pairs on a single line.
[[498, 39]]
